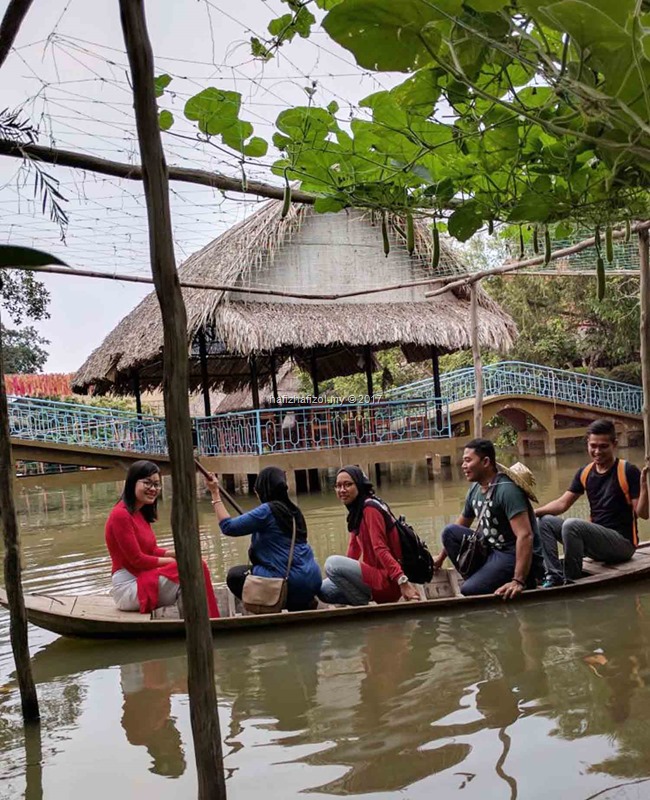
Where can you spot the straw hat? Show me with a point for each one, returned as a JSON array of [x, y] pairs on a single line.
[[522, 476]]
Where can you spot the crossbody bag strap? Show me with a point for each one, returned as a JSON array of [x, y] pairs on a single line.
[[293, 544], [488, 495]]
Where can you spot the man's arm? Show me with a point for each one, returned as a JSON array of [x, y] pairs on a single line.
[[558, 506], [520, 525], [640, 503]]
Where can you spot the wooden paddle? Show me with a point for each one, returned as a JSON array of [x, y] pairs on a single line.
[[226, 494]]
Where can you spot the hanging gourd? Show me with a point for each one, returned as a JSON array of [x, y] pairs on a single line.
[[286, 200], [410, 233], [609, 244], [384, 234], [435, 252], [547, 246]]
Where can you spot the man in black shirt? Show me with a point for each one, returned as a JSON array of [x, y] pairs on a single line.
[[617, 494]]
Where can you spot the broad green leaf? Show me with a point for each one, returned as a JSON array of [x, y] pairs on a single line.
[[12, 256], [385, 35], [165, 120], [333, 107], [260, 50], [323, 205], [531, 207], [160, 83], [419, 93], [214, 109], [465, 221], [256, 147]]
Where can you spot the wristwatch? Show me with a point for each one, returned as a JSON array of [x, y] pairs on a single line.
[[402, 580]]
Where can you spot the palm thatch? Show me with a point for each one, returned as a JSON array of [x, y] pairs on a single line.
[[309, 253]]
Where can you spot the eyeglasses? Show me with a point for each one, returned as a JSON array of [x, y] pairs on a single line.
[[151, 484], [339, 486]]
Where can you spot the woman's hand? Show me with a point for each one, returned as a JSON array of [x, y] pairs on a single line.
[[212, 485], [409, 592]]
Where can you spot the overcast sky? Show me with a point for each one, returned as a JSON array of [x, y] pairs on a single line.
[[68, 75]]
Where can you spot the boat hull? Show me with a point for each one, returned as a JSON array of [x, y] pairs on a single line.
[[95, 616]]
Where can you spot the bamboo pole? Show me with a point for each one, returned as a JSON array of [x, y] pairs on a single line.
[[476, 359], [644, 329], [10, 25], [135, 172], [200, 660], [12, 566]]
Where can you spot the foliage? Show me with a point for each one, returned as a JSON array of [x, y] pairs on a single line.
[[521, 112], [22, 350], [562, 324]]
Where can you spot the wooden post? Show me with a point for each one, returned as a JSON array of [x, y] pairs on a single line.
[[12, 566], [644, 290], [274, 379], [200, 657], [476, 358], [367, 363], [314, 375], [135, 380], [255, 386], [437, 388], [205, 381]]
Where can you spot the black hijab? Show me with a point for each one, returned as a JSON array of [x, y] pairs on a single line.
[[366, 490], [271, 487]]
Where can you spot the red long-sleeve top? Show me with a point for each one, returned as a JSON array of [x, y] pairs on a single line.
[[380, 552], [131, 541]]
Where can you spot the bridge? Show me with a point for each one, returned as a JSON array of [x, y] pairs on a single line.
[[409, 423]]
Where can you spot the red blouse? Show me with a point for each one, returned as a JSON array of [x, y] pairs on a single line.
[[131, 541], [380, 552]]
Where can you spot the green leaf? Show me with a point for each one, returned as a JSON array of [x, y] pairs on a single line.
[[280, 25], [214, 109], [255, 147], [324, 205], [12, 256], [333, 107], [165, 120], [160, 83], [532, 207], [260, 50], [385, 35], [464, 222]]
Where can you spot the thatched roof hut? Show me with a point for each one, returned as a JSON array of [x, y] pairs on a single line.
[[313, 254]]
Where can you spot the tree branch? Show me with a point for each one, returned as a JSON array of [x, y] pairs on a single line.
[[133, 172], [10, 25]]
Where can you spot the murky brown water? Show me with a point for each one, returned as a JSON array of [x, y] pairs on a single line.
[[537, 701]]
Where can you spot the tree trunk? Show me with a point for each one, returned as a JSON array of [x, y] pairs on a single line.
[[644, 291], [478, 365], [13, 569], [200, 662]]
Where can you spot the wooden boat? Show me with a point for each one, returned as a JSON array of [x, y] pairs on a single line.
[[95, 616]]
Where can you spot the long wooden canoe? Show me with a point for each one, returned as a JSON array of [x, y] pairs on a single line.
[[95, 616]]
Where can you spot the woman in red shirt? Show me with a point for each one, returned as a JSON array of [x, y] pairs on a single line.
[[371, 570], [144, 575]]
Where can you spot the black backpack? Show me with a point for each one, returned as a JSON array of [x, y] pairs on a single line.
[[417, 561]]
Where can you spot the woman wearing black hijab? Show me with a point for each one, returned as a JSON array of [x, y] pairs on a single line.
[[271, 525], [371, 570]]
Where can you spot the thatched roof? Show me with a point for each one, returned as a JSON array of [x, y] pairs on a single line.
[[310, 253]]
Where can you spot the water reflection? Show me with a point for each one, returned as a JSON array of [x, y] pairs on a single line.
[[146, 714]]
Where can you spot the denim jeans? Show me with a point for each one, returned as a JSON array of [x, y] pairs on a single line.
[[497, 570], [344, 582], [580, 538]]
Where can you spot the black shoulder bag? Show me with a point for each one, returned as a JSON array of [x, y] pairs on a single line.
[[474, 550]]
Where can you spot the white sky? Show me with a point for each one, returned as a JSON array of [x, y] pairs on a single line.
[[68, 74]]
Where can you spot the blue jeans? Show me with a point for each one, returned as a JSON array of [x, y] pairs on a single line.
[[344, 583], [497, 570]]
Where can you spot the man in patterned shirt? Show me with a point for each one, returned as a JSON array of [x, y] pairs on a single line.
[[507, 522]]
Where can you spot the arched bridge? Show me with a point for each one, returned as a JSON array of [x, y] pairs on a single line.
[[544, 405]]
